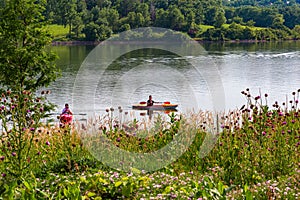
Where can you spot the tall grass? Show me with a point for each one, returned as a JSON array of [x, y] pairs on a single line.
[[256, 154]]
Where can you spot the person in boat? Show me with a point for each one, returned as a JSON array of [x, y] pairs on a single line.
[[66, 115], [66, 110], [150, 101]]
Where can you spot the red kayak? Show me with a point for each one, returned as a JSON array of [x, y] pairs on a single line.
[[66, 118], [161, 106]]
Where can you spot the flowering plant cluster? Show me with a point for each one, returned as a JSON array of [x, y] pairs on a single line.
[[21, 114]]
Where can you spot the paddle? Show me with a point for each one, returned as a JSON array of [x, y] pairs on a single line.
[[73, 114], [165, 102]]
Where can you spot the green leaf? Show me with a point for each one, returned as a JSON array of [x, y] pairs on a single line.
[[117, 184], [91, 194], [27, 185], [135, 171], [249, 195], [66, 192]]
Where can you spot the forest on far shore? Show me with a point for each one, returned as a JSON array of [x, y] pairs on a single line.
[[215, 20]]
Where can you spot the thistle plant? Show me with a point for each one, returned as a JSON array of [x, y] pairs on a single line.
[[21, 115]]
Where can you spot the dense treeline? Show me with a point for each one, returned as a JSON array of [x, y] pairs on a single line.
[[99, 19], [279, 3]]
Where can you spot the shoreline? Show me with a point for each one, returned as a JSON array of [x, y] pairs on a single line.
[[94, 43]]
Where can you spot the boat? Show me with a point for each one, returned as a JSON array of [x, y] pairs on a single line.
[[66, 118], [161, 106]]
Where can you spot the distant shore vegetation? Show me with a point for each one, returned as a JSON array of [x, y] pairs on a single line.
[[214, 20]]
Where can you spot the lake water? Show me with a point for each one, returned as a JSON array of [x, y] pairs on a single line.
[[272, 68]]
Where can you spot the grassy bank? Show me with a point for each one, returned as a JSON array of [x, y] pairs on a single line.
[[255, 155]]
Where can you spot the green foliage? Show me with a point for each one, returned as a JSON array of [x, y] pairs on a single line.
[[256, 156], [26, 67], [20, 115], [184, 16], [25, 63], [58, 32]]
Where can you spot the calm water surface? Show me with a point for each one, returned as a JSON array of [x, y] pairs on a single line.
[[272, 68]]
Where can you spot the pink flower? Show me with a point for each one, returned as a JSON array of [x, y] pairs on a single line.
[[48, 143]]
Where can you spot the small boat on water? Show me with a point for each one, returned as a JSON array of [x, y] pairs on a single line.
[[66, 118], [160, 106]]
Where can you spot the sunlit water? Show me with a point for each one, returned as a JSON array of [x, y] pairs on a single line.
[[267, 68]]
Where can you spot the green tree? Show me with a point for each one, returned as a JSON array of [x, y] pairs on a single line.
[[26, 65], [219, 20], [144, 9], [161, 19], [278, 22], [291, 15], [24, 61], [296, 32], [176, 18]]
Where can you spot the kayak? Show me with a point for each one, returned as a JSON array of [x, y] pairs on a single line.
[[66, 118], [162, 106]]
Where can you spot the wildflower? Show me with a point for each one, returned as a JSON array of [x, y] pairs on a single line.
[[296, 101], [28, 111], [3, 174], [48, 143], [112, 109], [284, 123], [107, 110], [13, 153], [266, 95], [38, 153], [282, 132], [263, 133], [32, 129], [2, 158], [41, 109]]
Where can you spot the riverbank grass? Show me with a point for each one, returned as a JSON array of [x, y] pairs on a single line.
[[256, 155], [59, 32]]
